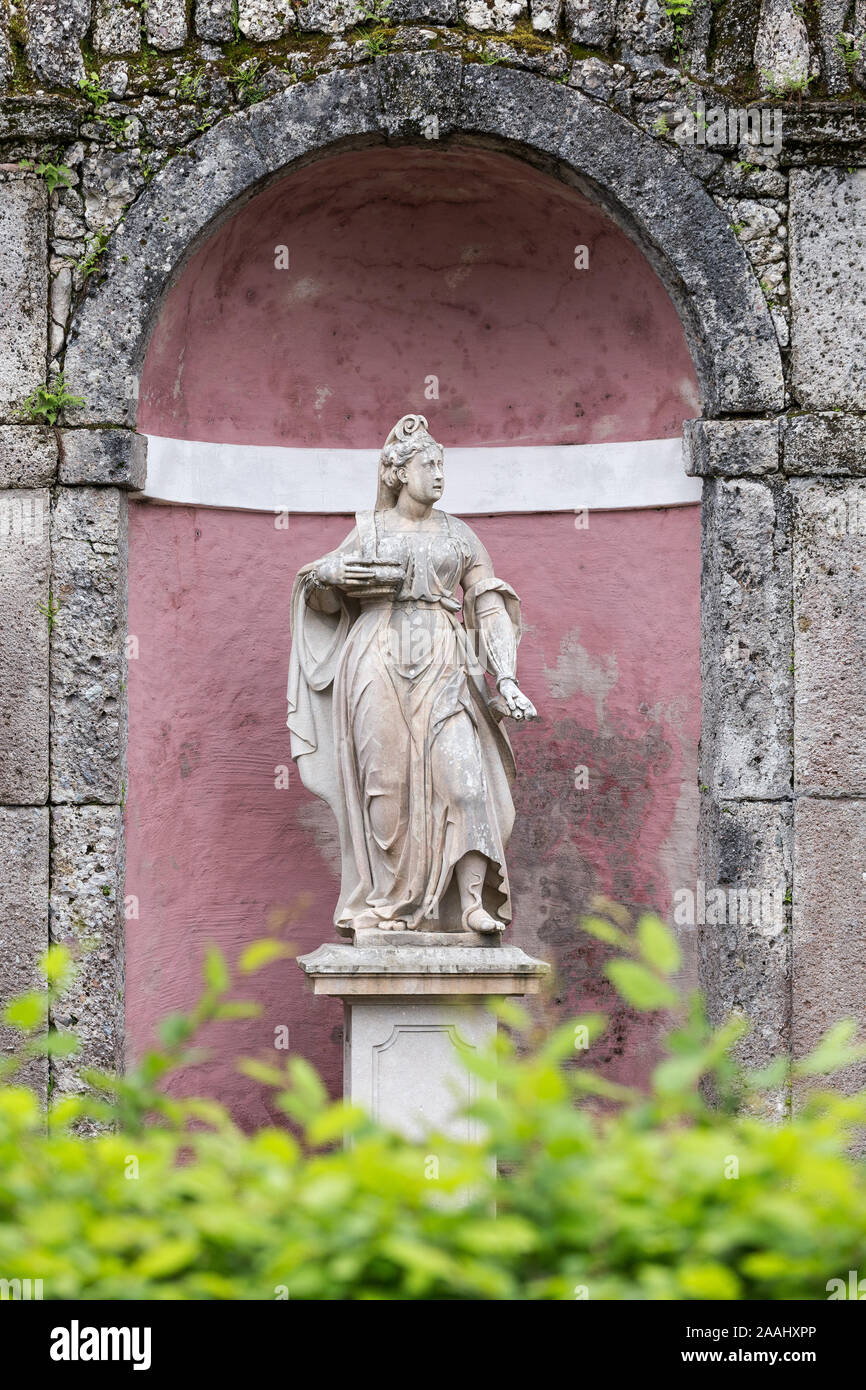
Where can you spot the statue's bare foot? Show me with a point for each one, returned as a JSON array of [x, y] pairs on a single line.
[[477, 919]]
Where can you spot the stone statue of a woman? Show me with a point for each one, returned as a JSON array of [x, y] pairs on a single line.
[[393, 719]]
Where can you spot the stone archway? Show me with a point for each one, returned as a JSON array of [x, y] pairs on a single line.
[[643, 186], [688, 241]]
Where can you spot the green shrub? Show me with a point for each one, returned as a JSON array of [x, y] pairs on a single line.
[[603, 1192]]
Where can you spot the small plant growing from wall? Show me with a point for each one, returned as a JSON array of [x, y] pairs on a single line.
[[375, 12], [55, 175], [244, 77], [118, 125], [848, 47], [91, 87], [46, 404], [189, 85], [50, 610], [376, 43], [787, 85], [679, 12], [91, 258]]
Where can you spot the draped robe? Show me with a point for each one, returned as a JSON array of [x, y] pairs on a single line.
[[393, 723]]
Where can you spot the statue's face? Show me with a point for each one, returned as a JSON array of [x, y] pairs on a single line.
[[423, 476]]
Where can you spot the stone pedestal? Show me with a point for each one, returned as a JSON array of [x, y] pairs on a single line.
[[409, 1010]]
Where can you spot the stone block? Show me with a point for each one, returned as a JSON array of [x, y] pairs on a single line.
[[828, 287], [88, 645], [23, 290], [86, 915], [113, 458], [25, 568], [329, 16], [23, 916], [213, 20], [829, 565], [338, 969], [40, 117], [545, 15], [831, 444], [55, 30], [731, 448], [28, 456], [423, 12], [166, 24], [782, 45], [116, 27], [498, 16], [644, 26], [262, 20], [746, 850], [735, 32], [419, 93], [590, 22], [313, 114], [746, 642], [829, 944]]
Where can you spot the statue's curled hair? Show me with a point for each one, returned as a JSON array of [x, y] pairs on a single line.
[[407, 438]]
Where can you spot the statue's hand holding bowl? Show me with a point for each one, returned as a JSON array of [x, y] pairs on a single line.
[[519, 705], [356, 574]]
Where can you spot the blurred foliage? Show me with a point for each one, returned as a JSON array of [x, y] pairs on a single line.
[[604, 1192]]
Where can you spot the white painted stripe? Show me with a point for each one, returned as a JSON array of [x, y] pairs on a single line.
[[537, 478]]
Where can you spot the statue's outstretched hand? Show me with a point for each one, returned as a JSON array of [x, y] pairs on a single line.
[[519, 705]]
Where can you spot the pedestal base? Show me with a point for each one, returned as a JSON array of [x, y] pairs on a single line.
[[401, 1061], [409, 1010]]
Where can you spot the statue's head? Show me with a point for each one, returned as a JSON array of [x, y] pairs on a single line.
[[412, 459]]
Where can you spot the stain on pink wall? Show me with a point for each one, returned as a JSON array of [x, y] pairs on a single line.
[[382, 291]]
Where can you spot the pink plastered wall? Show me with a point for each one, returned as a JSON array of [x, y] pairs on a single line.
[[405, 264]]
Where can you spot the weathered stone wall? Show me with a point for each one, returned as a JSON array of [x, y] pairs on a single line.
[[155, 120]]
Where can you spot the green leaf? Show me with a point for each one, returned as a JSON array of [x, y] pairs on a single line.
[[216, 971], [166, 1257], [262, 1071], [55, 1044], [639, 987], [27, 1011], [239, 1008], [710, 1281], [336, 1122], [261, 953], [56, 964], [506, 1235], [658, 945], [834, 1051], [605, 931], [175, 1028]]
